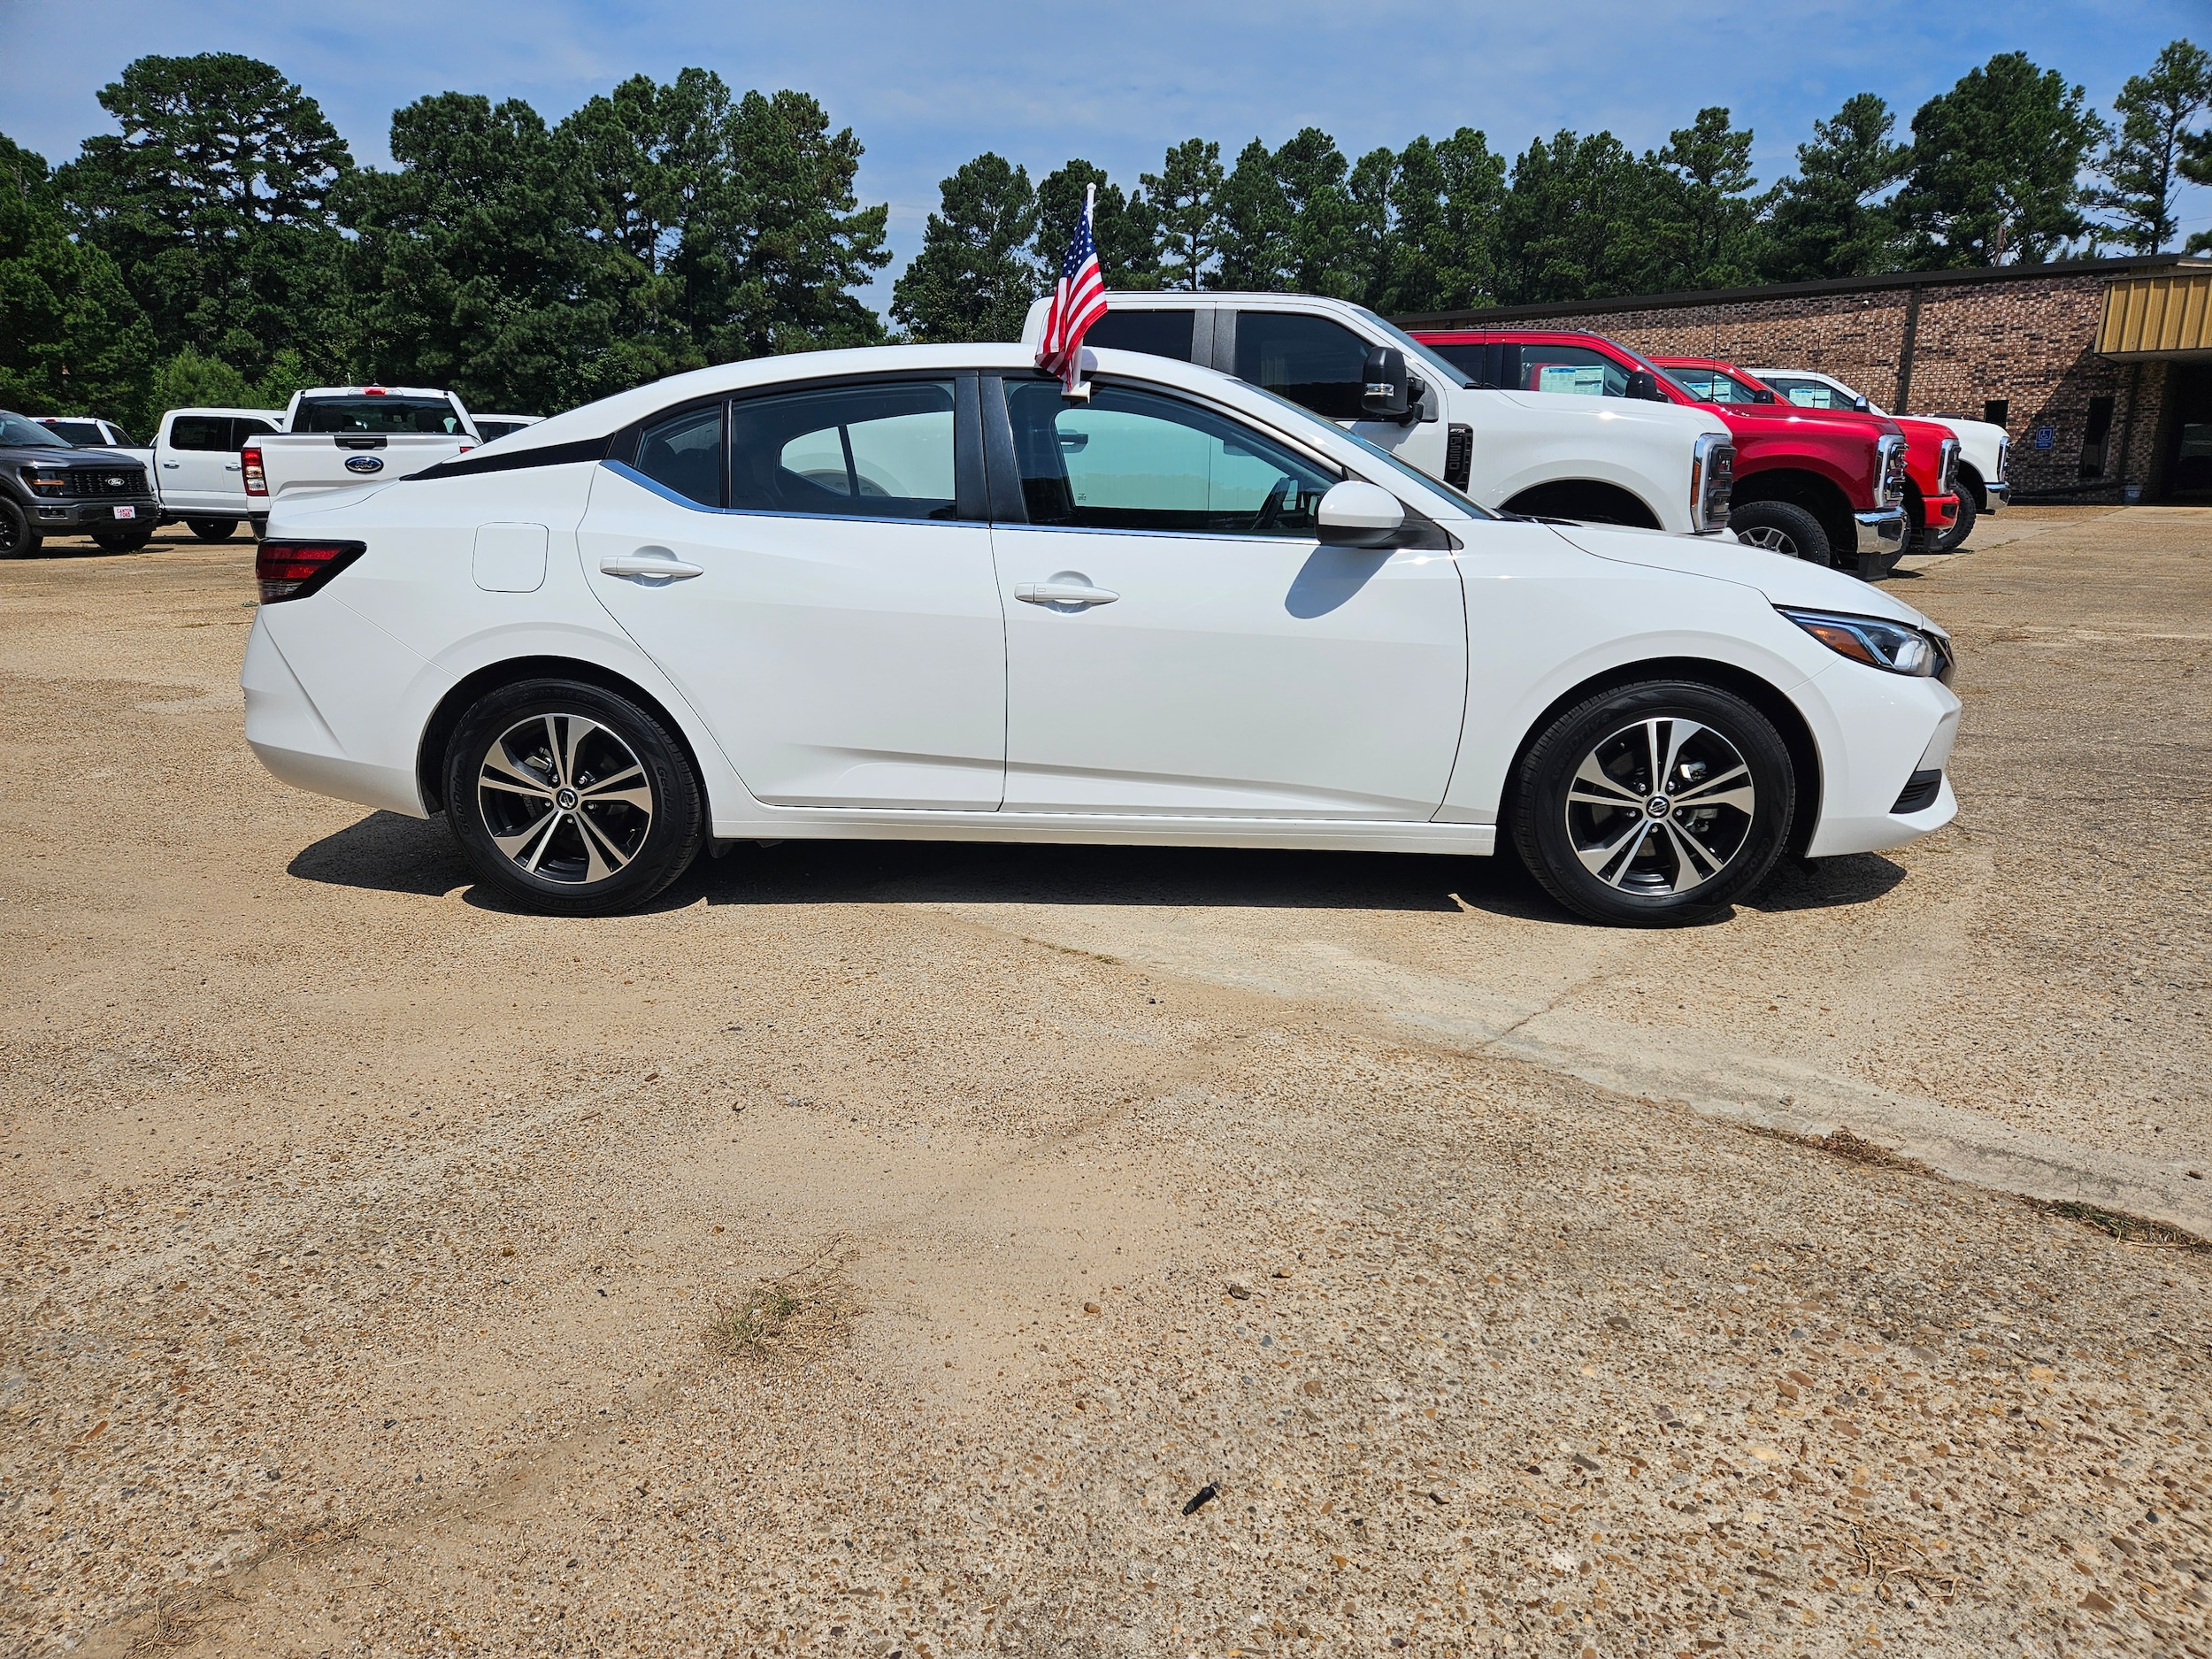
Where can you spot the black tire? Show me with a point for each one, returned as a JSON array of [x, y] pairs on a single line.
[[593, 858], [212, 529], [1781, 528], [1950, 540], [18, 538], [124, 541], [1598, 848]]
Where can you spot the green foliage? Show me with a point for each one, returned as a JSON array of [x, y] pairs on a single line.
[[976, 273], [1253, 224], [1996, 168], [1185, 195], [1575, 224], [74, 342], [1706, 226], [2139, 162], [214, 201], [191, 381], [1123, 228], [1830, 219], [1444, 203]]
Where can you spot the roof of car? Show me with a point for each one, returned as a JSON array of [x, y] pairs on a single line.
[[1699, 362]]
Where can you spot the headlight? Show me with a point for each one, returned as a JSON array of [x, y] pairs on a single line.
[[1947, 471], [46, 480], [1712, 480], [1891, 647]]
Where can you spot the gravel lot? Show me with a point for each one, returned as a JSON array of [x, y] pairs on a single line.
[[875, 1249]]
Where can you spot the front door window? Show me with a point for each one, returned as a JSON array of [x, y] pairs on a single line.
[[1308, 359]]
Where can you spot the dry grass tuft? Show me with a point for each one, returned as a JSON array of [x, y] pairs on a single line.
[[2128, 1229], [797, 1314]]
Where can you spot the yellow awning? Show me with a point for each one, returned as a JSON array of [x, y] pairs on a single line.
[[2162, 314]]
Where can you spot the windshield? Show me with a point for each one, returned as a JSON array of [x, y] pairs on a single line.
[[19, 434], [1453, 374], [433, 415]]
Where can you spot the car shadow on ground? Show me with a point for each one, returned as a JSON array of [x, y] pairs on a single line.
[[385, 852]]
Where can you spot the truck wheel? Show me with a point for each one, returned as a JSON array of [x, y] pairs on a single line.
[[124, 541], [1653, 805], [1963, 527], [1781, 528], [212, 529], [569, 799], [18, 539]]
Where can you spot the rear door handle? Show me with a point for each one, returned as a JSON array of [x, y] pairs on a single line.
[[1062, 593], [673, 570]]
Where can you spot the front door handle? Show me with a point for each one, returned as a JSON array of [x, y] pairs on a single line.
[[169, 466], [673, 570], [1062, 593]]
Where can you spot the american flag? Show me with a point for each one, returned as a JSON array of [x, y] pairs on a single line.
[[1078, 301]]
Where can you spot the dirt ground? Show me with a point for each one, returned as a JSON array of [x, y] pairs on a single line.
[[881, 1249]]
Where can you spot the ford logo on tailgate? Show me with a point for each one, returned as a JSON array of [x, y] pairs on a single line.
[[363, 463]]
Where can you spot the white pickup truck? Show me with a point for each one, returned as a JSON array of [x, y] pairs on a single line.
[[1983, 447], [193, 465], [1639, 460], [337, 436]]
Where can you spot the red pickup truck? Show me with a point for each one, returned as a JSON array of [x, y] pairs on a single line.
[[1823, 488], [1931, 453]]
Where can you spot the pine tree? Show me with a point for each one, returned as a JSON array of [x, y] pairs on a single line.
[[1122, 226], [1997, 164], [1829, 218], [215, 203], [1445, 197], [1576, 223], [1254, 229], [1185, 195], [976, 272], [2155, 110], [1707, 230]]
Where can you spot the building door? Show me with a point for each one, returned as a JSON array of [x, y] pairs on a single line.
[[2189, 451]]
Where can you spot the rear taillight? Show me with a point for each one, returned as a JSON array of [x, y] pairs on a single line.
[[257, 480], [293, 570]]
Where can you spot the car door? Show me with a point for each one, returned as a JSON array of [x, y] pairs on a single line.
[[812, 569], [1178, 642], [194, 460]]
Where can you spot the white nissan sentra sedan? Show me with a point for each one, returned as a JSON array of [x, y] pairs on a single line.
[[916, 592]]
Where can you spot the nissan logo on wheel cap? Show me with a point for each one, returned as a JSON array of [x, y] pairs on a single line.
[[363, 463]]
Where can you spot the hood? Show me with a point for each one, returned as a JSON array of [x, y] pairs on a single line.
[[1821, 420], [63, 455], [1782, 581]]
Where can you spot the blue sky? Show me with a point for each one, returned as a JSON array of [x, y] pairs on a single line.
[[927, 86]]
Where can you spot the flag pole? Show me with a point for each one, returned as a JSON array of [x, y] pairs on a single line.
[[1075, 388]]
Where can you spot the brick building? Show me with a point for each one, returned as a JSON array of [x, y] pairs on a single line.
[[2099, 369]]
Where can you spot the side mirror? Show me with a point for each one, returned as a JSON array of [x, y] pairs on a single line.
[[1643, 386], [1386, 392], [1357, 514], [1762, 394]]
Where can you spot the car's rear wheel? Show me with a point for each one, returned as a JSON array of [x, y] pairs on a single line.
[[1653, 805], [1951, 540], [1779, 528], [18, 539], [213, 529], [571, 799]]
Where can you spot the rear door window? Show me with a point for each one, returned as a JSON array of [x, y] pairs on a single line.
[[1162, 333], [878, 450], [684, 453], [200, 432], [244, 429], [1809, 393], [1308, 359]]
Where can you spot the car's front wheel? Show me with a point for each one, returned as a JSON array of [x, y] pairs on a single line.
[[1653, 805], [571, 799]]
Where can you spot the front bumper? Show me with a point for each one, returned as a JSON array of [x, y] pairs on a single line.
[[1941, 512], [1881, 531], [1890, 733], [48, 517], [1997, 495]]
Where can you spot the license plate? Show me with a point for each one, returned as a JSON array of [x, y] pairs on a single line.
[[126, 512]]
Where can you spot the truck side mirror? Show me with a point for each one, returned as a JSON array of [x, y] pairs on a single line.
[[1355, 513], [1644, 386], [1386, 392], [1762, 394]]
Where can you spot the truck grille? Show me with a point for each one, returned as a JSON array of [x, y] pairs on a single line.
[[107, 481]]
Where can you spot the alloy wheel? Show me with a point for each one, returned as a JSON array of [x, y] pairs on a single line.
[[1660, 807], [1772, 539], [565, 798]]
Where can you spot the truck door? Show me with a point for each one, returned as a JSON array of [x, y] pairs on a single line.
[[1319, 362], [198, 467]]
